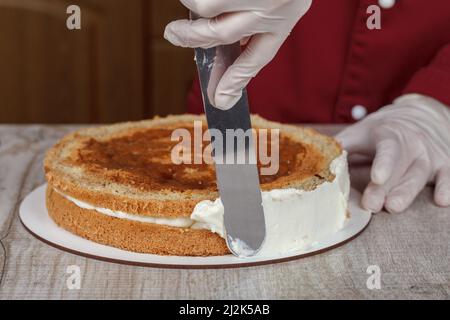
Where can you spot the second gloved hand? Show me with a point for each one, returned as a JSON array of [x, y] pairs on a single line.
[[410, 141], [264, 23]]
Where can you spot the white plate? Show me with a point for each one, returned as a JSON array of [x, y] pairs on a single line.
[[34, 216]]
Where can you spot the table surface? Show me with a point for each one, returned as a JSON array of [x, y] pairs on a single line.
[[412, 250]]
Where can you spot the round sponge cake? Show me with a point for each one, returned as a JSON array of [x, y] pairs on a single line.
[[127, 168]]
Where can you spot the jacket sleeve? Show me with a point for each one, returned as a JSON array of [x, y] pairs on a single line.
[[194, 99], [434, 79]]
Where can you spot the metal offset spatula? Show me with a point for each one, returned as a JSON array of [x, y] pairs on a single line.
[[237, 181]]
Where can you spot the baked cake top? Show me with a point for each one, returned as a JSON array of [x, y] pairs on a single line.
[[128, 167]]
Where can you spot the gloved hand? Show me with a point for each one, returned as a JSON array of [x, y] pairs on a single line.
[[265, 24], [410, 140]]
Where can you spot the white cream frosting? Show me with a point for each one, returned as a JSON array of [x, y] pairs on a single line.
[[173, 222], [295, 219]]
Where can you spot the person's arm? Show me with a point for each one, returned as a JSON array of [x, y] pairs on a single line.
[[194, 99], [262, 24], [434, 79], [410, 142]]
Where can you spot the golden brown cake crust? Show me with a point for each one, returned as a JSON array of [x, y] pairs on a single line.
[[126, 167], [74, 168], [132, 235]]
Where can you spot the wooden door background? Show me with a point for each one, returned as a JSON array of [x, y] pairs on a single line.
[[118, 67]]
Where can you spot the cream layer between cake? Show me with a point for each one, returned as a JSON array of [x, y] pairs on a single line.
[[295, 219]]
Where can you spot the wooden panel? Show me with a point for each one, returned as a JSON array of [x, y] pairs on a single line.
[[40, 78], [162, 12], [171, 69], [121, 59], [50, 74], [118, 67]]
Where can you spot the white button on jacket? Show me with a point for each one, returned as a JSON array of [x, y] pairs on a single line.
[[359, 112], [386, 4]]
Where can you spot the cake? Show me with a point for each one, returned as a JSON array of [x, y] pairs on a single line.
[[116, 185]]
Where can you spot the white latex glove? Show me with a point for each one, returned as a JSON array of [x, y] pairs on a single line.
[[410, 141], [267, 22]]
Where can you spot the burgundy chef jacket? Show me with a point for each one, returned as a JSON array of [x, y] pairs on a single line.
[[332, 62]]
